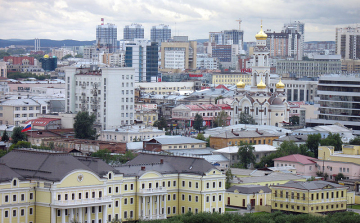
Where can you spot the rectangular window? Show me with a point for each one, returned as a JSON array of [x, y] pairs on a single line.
[[125, 187], [207, 199], [125, 214], [189, 197], [183, 197], [31, 196], [196, 198], [196, 185], [174, 183], [131, 186], [30, 211], [169, 184], [220, 184], [125, 201], [116, 189], [174, 197], [174, 210], [131, 214], [14, 197], [168, 210], [189, 183], [131, 200], [22, 212]]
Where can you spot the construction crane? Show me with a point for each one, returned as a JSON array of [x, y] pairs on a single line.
[[239, 20]]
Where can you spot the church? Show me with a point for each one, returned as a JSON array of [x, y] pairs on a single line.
[[266, 107]]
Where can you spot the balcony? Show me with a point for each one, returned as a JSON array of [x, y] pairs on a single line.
[[88, 201], [159, 190]]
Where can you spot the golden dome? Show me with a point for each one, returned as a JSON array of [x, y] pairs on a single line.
[[261, 85], [240, 84], [280, 84], [46, 56], [261, 35]]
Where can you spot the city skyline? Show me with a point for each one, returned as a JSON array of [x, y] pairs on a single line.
[[28, 19]]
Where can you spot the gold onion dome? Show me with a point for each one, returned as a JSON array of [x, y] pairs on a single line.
[[240, 84], [261, 85], [280, 84], [261, 35]]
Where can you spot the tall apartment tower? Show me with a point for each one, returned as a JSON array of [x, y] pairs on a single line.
[[142, 55], [108, 93], [297, 27], [227, 37], [134, 31], [348, 42], [106, 36], [285, 45], [160, 33]]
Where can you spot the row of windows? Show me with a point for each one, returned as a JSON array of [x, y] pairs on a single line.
[[182, 184], [93, 195], [26, 108], [14, 197], [185, 146], [67, 212], [14, 212], [301, 196], [22, 115], [312, 208], [250, 141]]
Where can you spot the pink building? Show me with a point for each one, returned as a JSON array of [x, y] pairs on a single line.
[[304, 165]]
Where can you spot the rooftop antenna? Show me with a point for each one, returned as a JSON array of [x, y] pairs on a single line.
[[102, 21]]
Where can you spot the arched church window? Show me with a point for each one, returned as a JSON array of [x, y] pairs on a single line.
[[257, 111], [264, 111]]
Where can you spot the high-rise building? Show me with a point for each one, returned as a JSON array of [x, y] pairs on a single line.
[[348, 42], [105, 92], [284, 45], [142, 55], [227, 37], [178, 55], [106, 36], [338, 101], [297, 27], [134, 31], [160, 33], [48, 63]]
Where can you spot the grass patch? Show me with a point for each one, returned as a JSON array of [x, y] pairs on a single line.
[[354, 206], [230, 209]]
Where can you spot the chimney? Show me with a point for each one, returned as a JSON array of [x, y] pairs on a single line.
[[143, 168], [161, 161]]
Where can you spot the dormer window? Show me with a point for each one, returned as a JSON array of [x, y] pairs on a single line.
[[14, 183], [110, 176]]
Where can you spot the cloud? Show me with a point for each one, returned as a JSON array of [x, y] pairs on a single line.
[[77, 19]]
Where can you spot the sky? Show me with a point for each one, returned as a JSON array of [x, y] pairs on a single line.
[[77, 19]]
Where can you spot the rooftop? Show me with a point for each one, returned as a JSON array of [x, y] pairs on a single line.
[[258, 148], [249, 189], [310, 185], [169, 140], [297, 158]]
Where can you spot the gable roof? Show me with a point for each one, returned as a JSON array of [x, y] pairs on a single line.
[[309, 185], [50, 165], [7, 174], [249, 189], [178, 163], [297, 158], [169, 140]]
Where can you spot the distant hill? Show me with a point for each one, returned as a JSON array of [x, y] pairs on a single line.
[[44, 42]]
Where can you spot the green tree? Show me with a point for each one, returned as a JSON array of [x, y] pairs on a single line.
[[200, 136], [313, 142], [17, 135], [340, 176], [79, 56], [246, 154], [355, 141], [3, 153], [5, 136], [103, 154], [20, 144], [161, 123], [13, 51], [229, 177], [36, 56], [66, 56], [220, 119], [3, 54], [246, 119], [216, 99], [294, 120], [84, 126], [123, 158], [198, 122], [332, 140]]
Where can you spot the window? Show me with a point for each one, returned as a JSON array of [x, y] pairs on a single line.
[[183, 210], [22, 212], [116, 203], [131, 200], [131, 186], [6, 214], [169, 183], [207, 199], [14, 183], [183, 197], [79, 196], [22, 197], [174, 183], [14, 213], [125, 187], [196, 185], [196, 198], [14, 197], [174, 210], [131, 214], [220, 184], [109, 190], [207, 185], [183, 183], [125, 201], [189, 183], [219, 197], [116, 189], [174, 197], [125, 214], [214, 184], [214, 198], [31, 196]]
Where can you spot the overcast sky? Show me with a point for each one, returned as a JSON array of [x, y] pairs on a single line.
[[77, 19]]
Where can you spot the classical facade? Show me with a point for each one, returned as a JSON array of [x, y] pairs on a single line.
[[51, 187], [267, 108]]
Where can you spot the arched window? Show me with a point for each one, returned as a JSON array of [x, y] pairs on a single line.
[[257, 111], [264, 111], [14, 183], [110, 176]]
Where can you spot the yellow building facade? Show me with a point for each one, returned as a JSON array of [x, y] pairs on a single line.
[[309, 197], [254, 195], [231, 78], [41, 186]]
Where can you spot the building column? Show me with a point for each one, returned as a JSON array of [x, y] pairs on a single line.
[[211, 203], [144, 209], [165, 209], [151, 207], [72, 217], [89, 214], [53, 215], [80, 215], [104, 214], [139, 212], [63, 216], [158, 207], [96, 214]]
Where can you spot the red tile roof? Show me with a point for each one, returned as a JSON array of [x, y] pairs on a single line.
[[297, 158], [42, 121]]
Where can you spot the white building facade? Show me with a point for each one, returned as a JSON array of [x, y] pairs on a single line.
[[106, 92]]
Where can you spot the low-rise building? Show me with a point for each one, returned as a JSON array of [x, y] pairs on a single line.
[[173, 142], [245, 195], [231, 152], [297, 139], [131, 133], [309, 197], [45, 123], [231, 78], [305, 165], [235, 138], [18, 111]]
